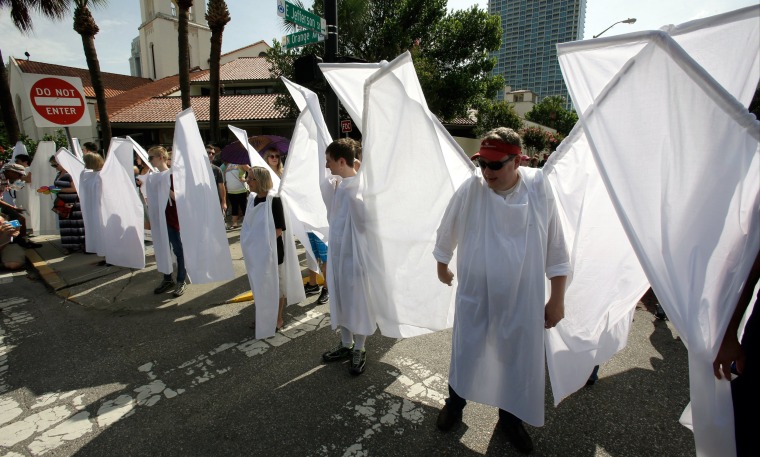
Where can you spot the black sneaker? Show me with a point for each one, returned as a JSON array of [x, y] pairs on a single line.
[[518, 436], [659, 313], [311, 289], [339, 352], [165, 286], [180, 289], [324, 297], [358, 362], [447, 419]]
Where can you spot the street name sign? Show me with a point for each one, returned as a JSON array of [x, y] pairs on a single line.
[[57, 101], [301, 38], [301, 17]]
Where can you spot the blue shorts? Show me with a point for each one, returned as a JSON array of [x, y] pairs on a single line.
[[318, 247]]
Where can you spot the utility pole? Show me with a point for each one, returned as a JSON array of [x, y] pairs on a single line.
[[332, 115]]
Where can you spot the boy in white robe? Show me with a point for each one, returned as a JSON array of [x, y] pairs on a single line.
[[505, 225], [349, 310]]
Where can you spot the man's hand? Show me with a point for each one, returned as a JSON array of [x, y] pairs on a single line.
[[553, 312], [730, 351], [6, 232], [444, 274]]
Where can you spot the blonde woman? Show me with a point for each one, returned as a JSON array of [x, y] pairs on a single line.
[[264, 223], [274, 160]]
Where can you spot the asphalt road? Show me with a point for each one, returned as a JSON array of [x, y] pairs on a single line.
[[194, 381]]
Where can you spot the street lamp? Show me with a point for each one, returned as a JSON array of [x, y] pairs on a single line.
[[630, 20]]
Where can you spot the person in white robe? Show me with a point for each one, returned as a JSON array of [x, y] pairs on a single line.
[[349, 309], [164, 223], [504, 225]]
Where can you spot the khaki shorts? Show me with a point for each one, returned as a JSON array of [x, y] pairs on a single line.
[[12, 253]]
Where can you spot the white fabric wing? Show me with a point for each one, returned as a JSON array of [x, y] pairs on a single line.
[[404, 292], [90, 198], [39, 215], [204, 240], [343, 78], [122, 212], [690, 214], [157, 191], [71, 164]]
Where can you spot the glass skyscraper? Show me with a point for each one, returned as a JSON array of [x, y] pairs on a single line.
[[531, 30]]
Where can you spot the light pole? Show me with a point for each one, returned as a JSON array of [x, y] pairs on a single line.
[[630, 20]]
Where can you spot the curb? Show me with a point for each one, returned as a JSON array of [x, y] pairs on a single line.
[[47, 274]]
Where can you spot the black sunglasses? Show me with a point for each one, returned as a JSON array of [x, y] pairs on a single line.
[[494, 165]]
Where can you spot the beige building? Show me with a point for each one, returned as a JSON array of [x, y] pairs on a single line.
[[156, 55]]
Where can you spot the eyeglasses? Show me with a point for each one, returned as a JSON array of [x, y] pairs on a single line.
[[494, 165], [273, 157], [151, 158]]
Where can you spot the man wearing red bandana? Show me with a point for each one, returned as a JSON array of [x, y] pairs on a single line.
[[504, 225]]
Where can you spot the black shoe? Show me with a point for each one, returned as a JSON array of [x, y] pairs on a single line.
[[311, 289], [518, 436], [339, 352], [447, 419], [324, 297], [165, 286], [358, 362], [659, 313]]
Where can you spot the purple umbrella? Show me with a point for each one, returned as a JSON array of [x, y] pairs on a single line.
[[236, 153]]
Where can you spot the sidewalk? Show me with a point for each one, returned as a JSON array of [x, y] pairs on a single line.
[[79, 278]]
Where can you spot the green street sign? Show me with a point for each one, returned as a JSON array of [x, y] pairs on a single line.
[[301, 17], [297, 39]]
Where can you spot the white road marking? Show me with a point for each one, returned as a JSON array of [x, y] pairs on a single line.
[[298, 378]]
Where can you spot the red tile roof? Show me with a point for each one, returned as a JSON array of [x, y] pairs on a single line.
[[243, 69], [114, 84], [231, 108]]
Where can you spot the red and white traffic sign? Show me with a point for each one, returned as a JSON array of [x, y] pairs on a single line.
[[57, 101], [345, 126]]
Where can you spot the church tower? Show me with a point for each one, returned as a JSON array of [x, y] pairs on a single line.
[[158, 54]]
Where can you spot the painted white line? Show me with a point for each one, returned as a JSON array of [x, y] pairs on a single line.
[[298, 378]]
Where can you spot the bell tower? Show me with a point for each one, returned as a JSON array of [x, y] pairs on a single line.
[[158, 51]]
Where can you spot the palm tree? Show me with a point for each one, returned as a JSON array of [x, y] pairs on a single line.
[[84, 25], [22, 19], [217, 17], [184, 51]]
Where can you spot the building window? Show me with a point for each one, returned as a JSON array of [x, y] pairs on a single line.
[[173, 9]]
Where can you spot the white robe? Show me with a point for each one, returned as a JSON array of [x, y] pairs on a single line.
[[40, 218], [506, 246], [258, 240], [345, 272], [158, 187]]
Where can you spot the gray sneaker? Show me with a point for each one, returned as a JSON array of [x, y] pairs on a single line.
[[358, 362], [165, 286], [339, 352], [180, 289]]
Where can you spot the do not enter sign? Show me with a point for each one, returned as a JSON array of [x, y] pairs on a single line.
[[57, 101]]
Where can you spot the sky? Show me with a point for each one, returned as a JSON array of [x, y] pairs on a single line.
[[254, 20]]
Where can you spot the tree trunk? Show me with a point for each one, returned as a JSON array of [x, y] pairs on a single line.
[[88, 42], [6, 102], [184, 54], [216, 53]]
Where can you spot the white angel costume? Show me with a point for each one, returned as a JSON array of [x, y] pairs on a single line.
[[158, 186], [345, 272], [506, 246], [258, 240]]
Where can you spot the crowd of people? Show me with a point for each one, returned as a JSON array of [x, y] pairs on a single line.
[[502, 223]]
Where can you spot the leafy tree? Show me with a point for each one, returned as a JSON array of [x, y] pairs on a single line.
[[22, 19], [217, 17], [492, 114], [551, 112], [450, 51], [84, 25], [534, 139], [183, 16]]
